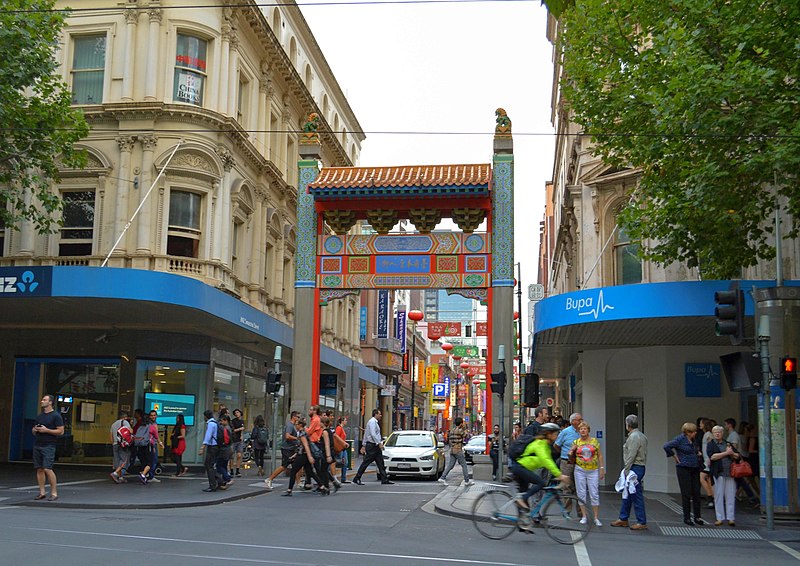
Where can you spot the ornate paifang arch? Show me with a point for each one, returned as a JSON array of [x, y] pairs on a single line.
[[329, 266]]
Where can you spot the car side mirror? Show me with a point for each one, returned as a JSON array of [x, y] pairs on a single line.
[[440, 445]]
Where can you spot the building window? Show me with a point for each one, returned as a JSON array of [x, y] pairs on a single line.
[[88, 68], [627, 264], [77, 230], [190, 69], [243, 100], [183, 234]]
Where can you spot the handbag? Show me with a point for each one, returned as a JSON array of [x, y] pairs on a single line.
[[339, 443], [741, 469]]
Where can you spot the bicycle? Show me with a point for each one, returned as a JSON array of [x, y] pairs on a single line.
[[496, 515]]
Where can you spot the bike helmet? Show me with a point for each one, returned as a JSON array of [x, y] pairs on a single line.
[[549, 427]]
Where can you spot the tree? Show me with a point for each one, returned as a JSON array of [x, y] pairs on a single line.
[[37, 124], [703, 97]]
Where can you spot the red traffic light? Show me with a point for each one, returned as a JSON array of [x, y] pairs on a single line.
[[789, 365]]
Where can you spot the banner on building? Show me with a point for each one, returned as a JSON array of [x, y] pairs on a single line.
[[362, 330], [383, 313], [400, 330], [481, 328], [420, 374], [444, 329], [465, 351]]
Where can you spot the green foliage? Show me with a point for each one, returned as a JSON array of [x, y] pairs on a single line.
[[37, 124], [703, 97]]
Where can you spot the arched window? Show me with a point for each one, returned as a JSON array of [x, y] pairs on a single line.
[[326, 107], [293, 51], [309, 77], [276, 23], [627, 264]]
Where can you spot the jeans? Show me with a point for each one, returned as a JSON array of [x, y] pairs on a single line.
[[636, 499], [258, 455], [209, 462], [528, 481], [725, 498], [459, 457], [495, 456], [689, 482], [343, 461]]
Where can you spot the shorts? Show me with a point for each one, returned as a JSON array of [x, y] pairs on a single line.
[[287, 454], [238, 447], [44, 456]]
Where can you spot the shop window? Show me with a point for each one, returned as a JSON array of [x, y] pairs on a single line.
[[226, 389], [190, 69], [88, 68], [77, 229], [627, 264], [183, 234]]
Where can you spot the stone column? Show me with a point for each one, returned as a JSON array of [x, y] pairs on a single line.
[[233, 77], [27, 239], [222, 89], [283, 139], [257, 235], [280, 252], [124, 186], [264, 95], [223, 229], [151, 74], [131, 17], [143, 221], [211, 221]]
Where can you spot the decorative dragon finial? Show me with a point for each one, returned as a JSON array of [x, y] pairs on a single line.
[[310, 133], [503, 127]]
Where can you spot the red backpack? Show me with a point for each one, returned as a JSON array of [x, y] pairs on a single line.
[[124, 437]]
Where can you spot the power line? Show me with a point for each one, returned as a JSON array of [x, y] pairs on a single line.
[[130, 6]]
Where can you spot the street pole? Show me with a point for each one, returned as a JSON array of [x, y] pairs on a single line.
[[413, 368], [275, 437], [763, 342], [519, 345], [500, 458]]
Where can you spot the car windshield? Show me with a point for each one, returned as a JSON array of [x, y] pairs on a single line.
[[477, 441], [422, 440]]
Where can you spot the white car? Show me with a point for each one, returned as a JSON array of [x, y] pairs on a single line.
[[409, 453], [476, 445]]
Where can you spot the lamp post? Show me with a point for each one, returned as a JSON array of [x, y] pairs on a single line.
[[414, 316]]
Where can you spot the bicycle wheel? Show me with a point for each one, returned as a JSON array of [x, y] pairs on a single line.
[[494, 514], [562, 521]]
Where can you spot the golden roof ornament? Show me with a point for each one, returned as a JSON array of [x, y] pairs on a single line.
[[503, 127], [310, 129]]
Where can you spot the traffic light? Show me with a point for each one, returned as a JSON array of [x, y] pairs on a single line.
[[789, 373], [273, 382], [730, 314], [531, 390], [499, 383]]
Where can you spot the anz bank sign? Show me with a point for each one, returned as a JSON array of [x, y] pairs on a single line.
[[22, 282]]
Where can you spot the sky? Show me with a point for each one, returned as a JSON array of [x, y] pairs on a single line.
[[446, 67]]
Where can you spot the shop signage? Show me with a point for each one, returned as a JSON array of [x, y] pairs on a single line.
[[444, 329], [481, 328], [362, 332], [21, 282], [400, 330], [383, 313], [465, 351]]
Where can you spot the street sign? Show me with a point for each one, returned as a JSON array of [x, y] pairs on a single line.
[[387, 391], [439, 389], [535, 292], [404, 407], [550, 402]]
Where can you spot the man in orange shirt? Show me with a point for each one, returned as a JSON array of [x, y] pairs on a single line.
[[314, 429]]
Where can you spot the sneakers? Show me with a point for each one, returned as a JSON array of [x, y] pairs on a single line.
[[268, 484], [114, 477], [442, 481], [584, 521], [468, 483], [638, 527], [287, 493], [731, 523], [143, 479], [710, 504], [597, 523], [154, 480], [521, 503], [619, 523], [717, 523]]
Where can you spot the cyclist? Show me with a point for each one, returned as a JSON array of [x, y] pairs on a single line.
[[535, 456]]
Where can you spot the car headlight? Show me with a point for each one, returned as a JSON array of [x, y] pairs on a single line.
[[427, 456]]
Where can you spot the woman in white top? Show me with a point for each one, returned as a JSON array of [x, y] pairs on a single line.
[[705, 473]]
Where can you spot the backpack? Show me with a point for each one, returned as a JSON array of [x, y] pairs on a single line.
[[519, 445], [142, 436], [262, 436], [124, 437], [223, 435]]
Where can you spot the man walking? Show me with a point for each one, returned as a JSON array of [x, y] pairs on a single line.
[[540, 416], [289, 446], [373, 450], [457, 436], [121, 454], [564, 443], [634, 455], [49, 426], [210, 450]]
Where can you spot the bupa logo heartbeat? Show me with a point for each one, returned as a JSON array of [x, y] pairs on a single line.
[[587, 306]]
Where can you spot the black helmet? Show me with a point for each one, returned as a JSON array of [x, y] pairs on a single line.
[[550, 427]]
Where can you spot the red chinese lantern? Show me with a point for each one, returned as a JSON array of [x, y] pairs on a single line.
[[464, 364], [415, 315], [476, 381], [447, 346], [516, 315], [433, 335]]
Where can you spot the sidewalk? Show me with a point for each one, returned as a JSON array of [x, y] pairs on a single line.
[[92, 488], [664, 515]]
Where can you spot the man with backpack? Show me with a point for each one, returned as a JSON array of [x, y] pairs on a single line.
[[457, 437], [529, 454], [121, 441], [210, 450], [225, 444]]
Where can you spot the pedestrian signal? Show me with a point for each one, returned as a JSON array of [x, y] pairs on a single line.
[[789, 373]]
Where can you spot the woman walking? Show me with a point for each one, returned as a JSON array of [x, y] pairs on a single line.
[[683, 450], [589, 470], [721, 454], [178, 443], [303, 460], [257, 437]]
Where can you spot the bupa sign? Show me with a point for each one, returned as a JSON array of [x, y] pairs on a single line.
[[21, 282]]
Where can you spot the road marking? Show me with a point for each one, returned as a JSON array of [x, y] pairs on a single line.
[[27, 488], [416, 559], [581, 552], [788, 550]]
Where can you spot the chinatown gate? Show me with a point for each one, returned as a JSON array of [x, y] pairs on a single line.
[[476, 265]]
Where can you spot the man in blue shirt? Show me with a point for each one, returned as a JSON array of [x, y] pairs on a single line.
[[210, 450], [564, 443]]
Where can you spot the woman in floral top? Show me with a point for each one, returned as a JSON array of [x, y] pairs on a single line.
[[589, 470]]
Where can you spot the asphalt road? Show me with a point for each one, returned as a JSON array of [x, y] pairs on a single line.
[[373, 524]]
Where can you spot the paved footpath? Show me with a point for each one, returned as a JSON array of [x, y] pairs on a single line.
[[664, 515]]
